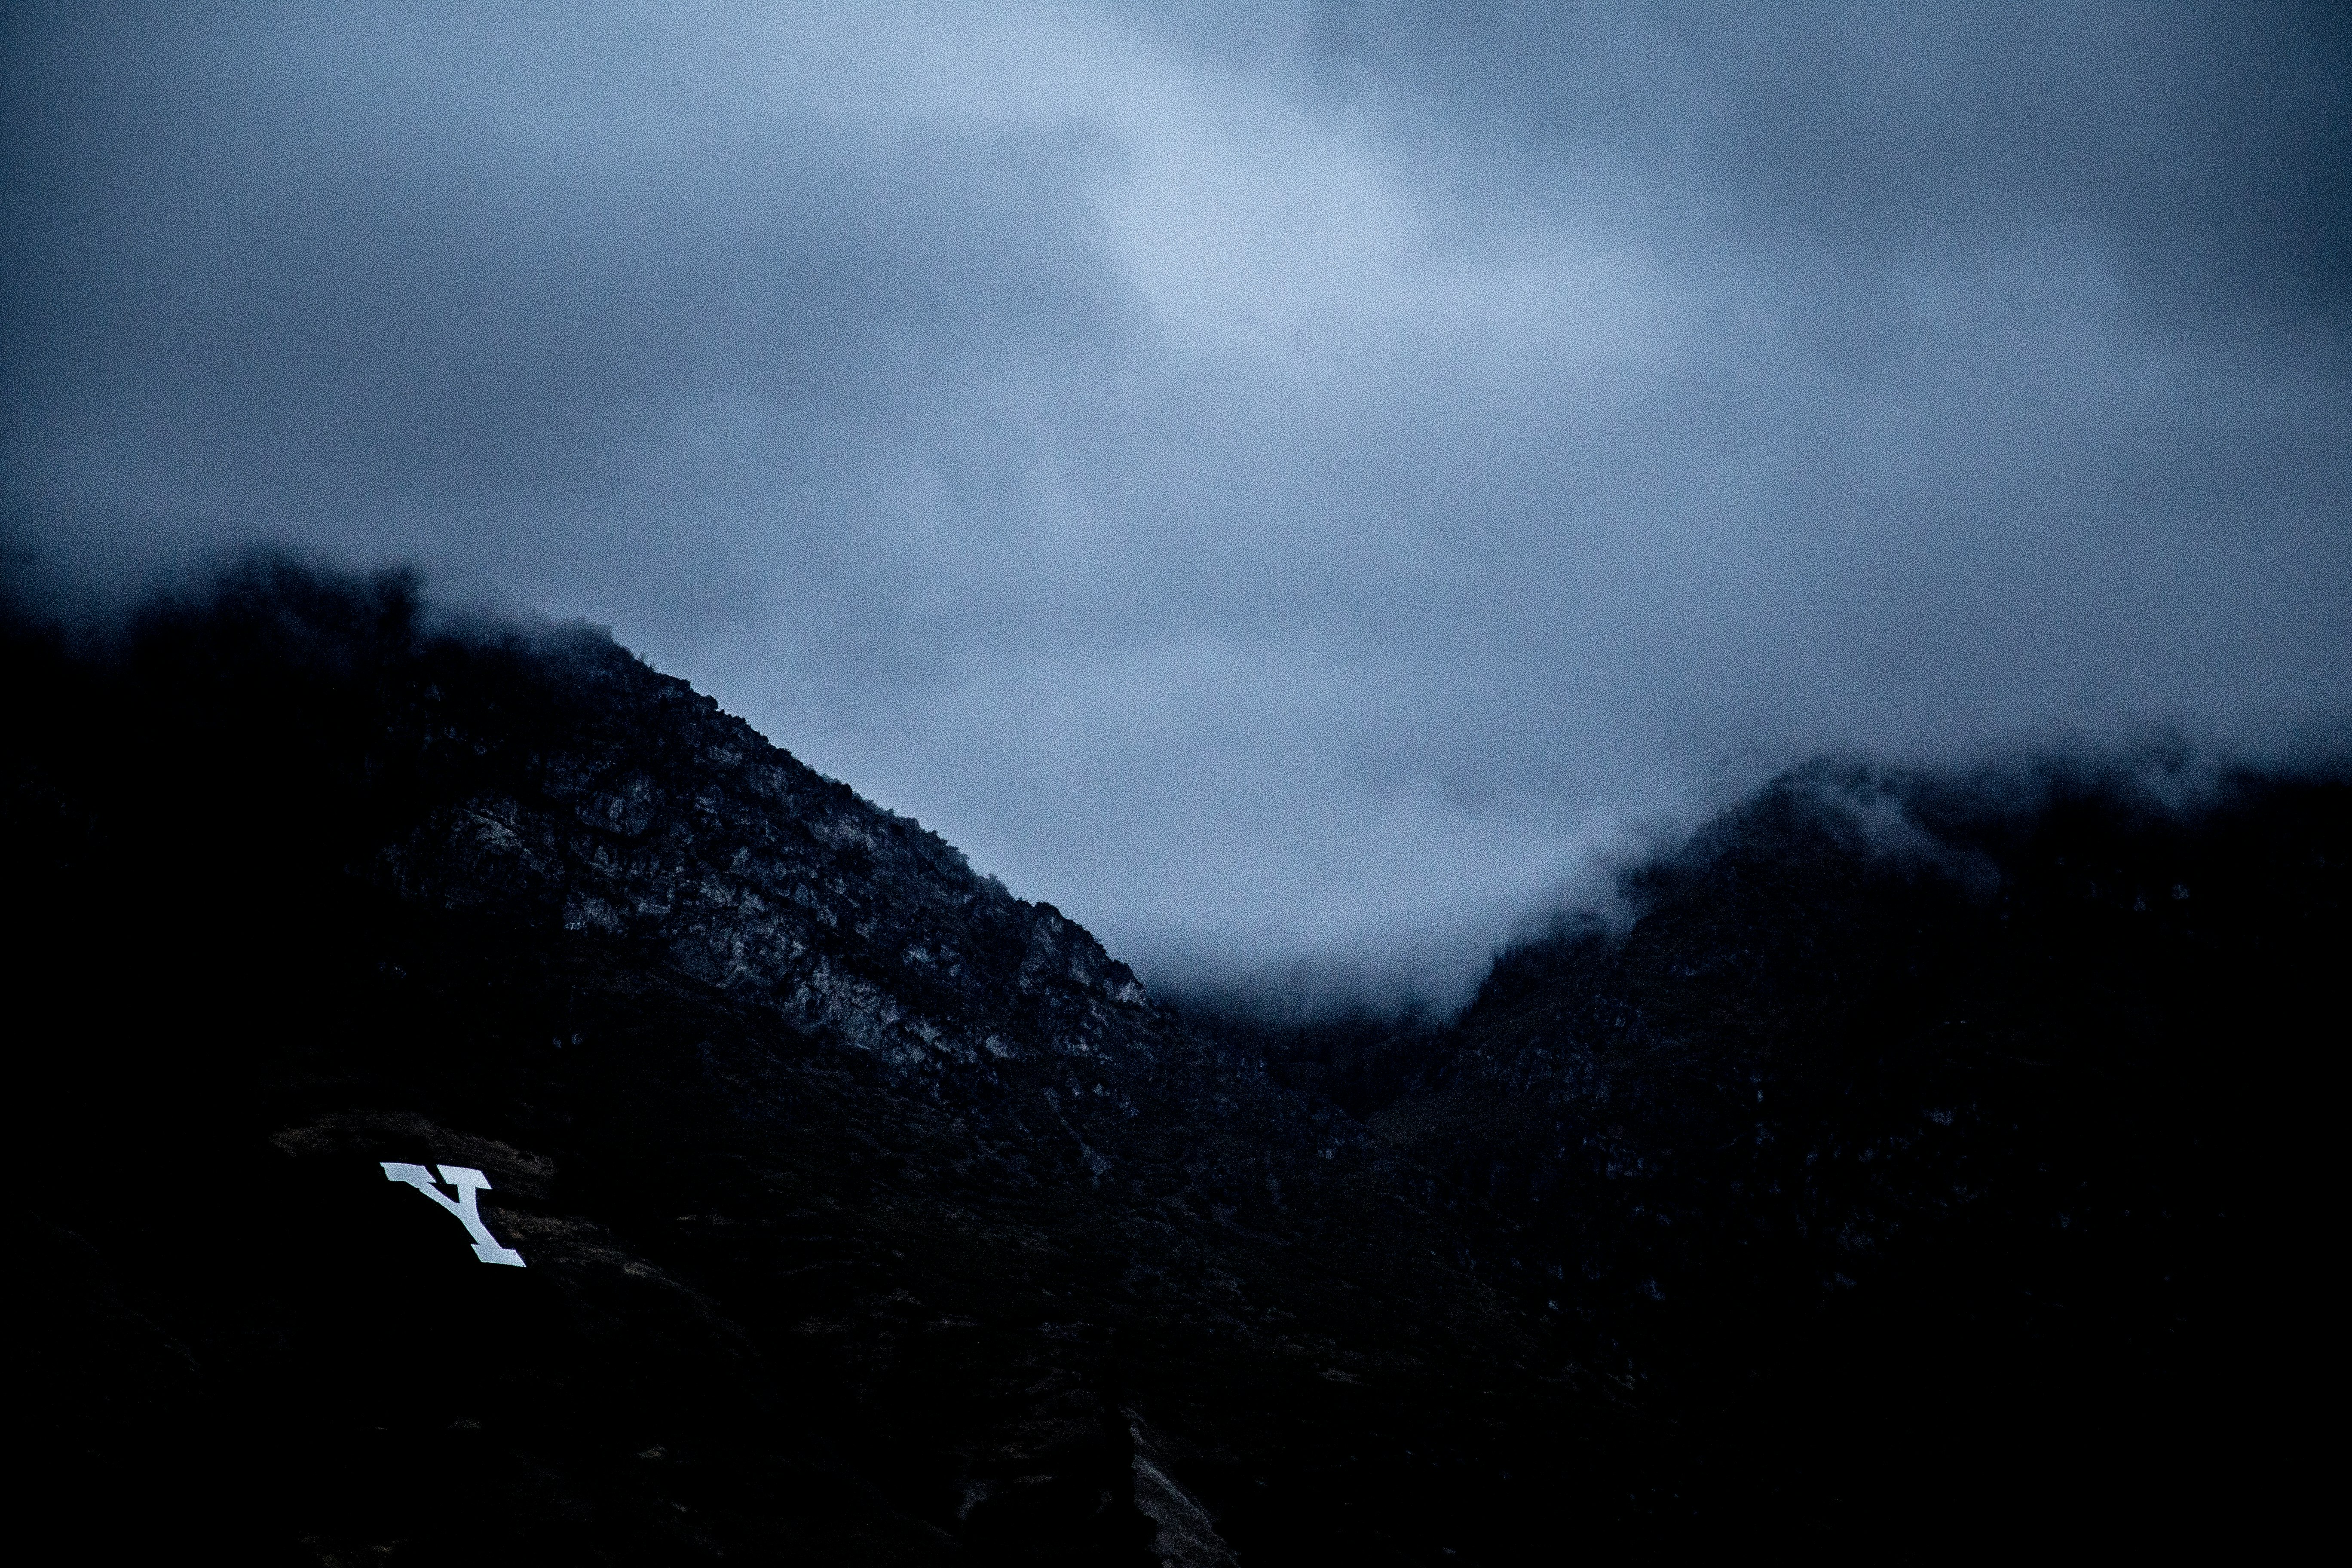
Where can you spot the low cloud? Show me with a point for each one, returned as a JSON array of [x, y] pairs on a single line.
[[1289, 487]]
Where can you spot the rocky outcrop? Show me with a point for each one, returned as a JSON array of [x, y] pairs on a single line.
[[641, 811]]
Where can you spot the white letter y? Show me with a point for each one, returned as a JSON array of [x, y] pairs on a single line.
[[468, 1182]]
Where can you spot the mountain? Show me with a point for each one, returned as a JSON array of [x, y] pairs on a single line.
[[1889, 1180], [868, 1213], [1925, 1139]]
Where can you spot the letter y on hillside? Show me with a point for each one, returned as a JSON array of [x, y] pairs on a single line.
[[468, 1182]]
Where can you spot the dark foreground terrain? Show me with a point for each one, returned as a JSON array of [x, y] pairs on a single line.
[[1913, 1175]]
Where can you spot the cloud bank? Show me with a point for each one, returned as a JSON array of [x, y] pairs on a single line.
[[1284, 483]]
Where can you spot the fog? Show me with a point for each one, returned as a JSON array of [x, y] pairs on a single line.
[[1297, 488]]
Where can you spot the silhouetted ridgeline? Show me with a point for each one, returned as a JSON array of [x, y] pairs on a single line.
[[1893, 1180], [1950, 1127]]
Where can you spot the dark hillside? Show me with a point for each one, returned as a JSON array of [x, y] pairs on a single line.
[[1890, 1183], [869, 1214], [1923, 1140]]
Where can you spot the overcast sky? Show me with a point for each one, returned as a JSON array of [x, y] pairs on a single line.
[[1280, 483]]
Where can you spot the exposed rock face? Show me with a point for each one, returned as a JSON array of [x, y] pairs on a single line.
[[639, 810], [1184, 1532]]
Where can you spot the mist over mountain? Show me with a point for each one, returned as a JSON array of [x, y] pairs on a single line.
[[1907, 1173], [1288, 484], [1087, 782]]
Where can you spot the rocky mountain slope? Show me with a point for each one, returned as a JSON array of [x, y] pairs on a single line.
[[1894, 1167], [868, 1213]]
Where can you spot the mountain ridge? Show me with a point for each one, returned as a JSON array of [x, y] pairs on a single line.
[[730, 1168], [870, 1214]]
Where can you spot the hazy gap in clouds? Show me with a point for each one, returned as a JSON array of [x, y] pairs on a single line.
[[1292, 490]]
